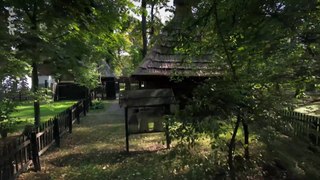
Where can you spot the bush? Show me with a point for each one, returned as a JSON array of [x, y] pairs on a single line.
[[97, 104], [6, 121]]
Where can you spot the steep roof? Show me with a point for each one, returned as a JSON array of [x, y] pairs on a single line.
[[161, 60], [105, 70], [165, 58]]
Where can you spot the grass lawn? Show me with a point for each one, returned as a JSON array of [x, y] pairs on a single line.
[[96, 150], [25, 113], [312, 109]]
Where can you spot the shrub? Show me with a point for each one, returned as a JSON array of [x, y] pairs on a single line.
[[6, 121], [97, 104]]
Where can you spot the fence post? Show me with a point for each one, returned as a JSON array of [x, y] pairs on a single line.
[[56, 131], [35, 151], [7, 168], [318, 131], [127, 129], [84, 105], [168, 140], [70, 120], [89, 103], [78, 112]]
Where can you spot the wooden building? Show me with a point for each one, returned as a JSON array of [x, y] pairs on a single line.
[[70, 91], [108, 81], [164, 63]]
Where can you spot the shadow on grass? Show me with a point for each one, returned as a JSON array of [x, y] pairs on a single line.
[[285, 156], [96, 150], [160, 164]]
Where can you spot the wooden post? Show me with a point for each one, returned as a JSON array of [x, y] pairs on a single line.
[[7, 166], [318, 131], [89, 102], [84, 107], [308, 125], [168, 140], [127, 129], [35, 151], [70, 120], [56, 131], [20, 96], [102, 92], [78, 113]]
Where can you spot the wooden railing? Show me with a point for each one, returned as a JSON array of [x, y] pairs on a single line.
[[21, 153], [301, 125], [19, 96]]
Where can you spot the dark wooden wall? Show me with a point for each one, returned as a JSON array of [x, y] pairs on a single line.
[[182, 89], [111, 87], [70, 91]]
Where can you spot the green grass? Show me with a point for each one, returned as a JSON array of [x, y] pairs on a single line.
[[25, 112], [96, 150], [312, 109]]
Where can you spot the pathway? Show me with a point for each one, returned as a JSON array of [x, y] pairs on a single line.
[[95, 150]]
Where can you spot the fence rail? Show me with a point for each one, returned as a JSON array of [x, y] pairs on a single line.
[[21, 153], [19, 96], [301, 125]]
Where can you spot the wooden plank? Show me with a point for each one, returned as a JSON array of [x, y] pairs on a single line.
[[147, 97], [63, 132], [318, 131], [35, 151], [21, 146], [24, 168], [15, 158], [127, 129], [21, 155], [44, 149]]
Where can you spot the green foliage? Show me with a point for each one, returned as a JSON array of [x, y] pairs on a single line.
[[66, 36], [6, 108], [6, 120], [261, 55], [97, 104]]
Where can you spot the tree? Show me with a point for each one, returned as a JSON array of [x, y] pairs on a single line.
[[150, 21], [48, 30], [257, 49]]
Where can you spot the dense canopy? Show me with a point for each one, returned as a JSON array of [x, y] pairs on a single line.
[[259, 58]]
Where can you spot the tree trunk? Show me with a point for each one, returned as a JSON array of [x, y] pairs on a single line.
[[1, 90], [35, 87], [144, 27], [152, 19], [14, 84], [35, 61], [231, 147], [246, 138]]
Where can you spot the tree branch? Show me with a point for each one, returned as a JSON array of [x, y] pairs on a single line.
[[224, 44]]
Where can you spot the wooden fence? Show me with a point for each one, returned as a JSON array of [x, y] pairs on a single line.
[[23, 152], [19, 96], [301, 125]]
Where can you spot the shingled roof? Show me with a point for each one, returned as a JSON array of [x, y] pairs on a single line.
[[164, 58], [105, 70]]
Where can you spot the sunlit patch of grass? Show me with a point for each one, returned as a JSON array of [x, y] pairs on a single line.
[[310, 109], [24, 113]]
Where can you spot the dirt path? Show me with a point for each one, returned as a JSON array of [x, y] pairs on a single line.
[[95, 149]]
